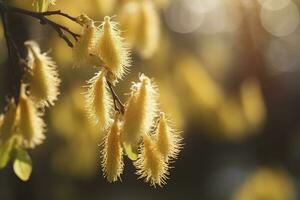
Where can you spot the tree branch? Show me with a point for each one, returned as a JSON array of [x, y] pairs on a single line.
[[42, 17], [11, 49], [119, 106]]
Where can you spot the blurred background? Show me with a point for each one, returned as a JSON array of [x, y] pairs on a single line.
[[228, 72]]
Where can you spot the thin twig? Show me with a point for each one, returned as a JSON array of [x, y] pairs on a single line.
[[116, 99], [42, 17], [58, 12]]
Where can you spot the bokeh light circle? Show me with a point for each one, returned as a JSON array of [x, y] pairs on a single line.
[[182, 19], [201, 6], [280, 22], [274, 4]]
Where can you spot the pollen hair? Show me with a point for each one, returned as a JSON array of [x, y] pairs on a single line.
[[140, 111], [112, 155], [112, 50], [84, 47], [31, 126], [42, 76], [150, 164], [168, 140], [98, 101]]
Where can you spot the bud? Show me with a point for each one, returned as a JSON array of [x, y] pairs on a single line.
[[139, 114], [84, 47], [168, 141], [98, 100], [112, 163], [30, 126], [149, 30], [111, 49], [43, 77], [8, 121], [150, 164]]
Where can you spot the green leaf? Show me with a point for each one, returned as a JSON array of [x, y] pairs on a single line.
[[5, 151], [22, 164], [130, 152]]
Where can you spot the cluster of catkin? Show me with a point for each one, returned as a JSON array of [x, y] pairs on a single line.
[[136, 129], [22, 125]]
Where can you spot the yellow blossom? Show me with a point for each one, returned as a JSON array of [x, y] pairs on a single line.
[[149, 30], [168, 141], [31, 126], [150, 163], [139, 115], [112, 163], [98, 100], [112, 50], [84, 47], [43, 77]]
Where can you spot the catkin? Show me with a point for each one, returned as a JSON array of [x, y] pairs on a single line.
[[112, 155], [140, 112], [43, 77], [149, 30], [31, 126], [98, 100], [112, 50], [129, 15], [150, 164], [168, 141], [84, 47]]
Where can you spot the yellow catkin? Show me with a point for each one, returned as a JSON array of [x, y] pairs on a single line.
[[150, 164], [112, 155], [111, 49], [98, 100], [267, 183], [84, 47], [149, 30], [43, 77], [8, 121], [30, 126], [139, 114], [129, 16], [253, 102], [168, 141]]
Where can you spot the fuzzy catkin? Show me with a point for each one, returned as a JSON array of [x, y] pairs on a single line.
[[129, 15], [43, 76], [168, 141], [150, 163], [112, 155], [112, 50], [148, 33], [140, 112], [31, 126], [84, 47], [98, 101]]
